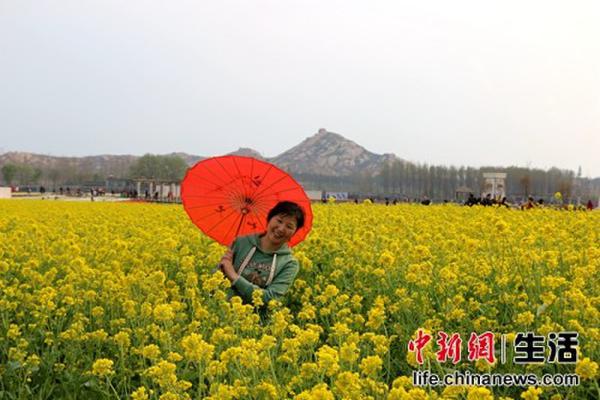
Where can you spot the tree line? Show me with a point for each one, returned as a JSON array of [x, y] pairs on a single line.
[[70, 172], [403, 180], [21, 173]]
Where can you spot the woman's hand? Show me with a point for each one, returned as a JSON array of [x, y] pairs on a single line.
[[227, 266]]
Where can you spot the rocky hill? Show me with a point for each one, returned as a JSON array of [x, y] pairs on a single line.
[[331, 154], [244, 151]]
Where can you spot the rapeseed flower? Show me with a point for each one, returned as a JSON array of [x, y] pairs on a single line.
[[151, 351], [348, 385], [163, 374], [122, 339], [586, 369], [103, 367], [140, 394], [196, 349], [133, 283], [371, 365], [532, 393], [349, 352], [327, 359], [266, 390], [479, 393], [164, 312]]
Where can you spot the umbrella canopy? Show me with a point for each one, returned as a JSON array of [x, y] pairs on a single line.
[[230, 196]]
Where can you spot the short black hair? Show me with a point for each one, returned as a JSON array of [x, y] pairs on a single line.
[[288, 208]]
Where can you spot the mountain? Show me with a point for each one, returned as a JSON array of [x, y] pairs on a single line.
[[244, 151], [331, 154]]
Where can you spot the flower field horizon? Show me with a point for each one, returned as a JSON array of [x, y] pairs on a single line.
[[106, 300]]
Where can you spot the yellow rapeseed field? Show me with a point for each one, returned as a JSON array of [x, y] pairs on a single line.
[[101, 300]]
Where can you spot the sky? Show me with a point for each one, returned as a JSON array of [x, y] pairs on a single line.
[[440, 82]]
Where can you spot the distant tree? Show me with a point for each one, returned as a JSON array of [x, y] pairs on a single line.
[[53, 175], [525, 182], [8, 172], [147, 166], [365, 182], [174, 167], [24, 174], [398, 176], [565, 186], [159, 167], [386, 177], [36, 175]]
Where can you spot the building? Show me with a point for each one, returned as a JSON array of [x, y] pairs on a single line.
[[494, 184], [5, 192]]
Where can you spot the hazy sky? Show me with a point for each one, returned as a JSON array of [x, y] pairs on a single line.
[[443, 82]]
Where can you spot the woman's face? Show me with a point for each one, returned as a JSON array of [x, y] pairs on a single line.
[[281, 228]]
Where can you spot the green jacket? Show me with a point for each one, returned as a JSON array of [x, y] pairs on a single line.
[[257, 271]]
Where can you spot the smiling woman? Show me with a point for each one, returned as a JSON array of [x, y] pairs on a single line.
[[264, 261]]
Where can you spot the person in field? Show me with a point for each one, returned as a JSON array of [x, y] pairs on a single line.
[[264, 260]]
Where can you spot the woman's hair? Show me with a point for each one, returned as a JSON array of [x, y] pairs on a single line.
[[290, 209]]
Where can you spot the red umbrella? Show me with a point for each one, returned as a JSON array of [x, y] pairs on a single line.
[[230, 196]]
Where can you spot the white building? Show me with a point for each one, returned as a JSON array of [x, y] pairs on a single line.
[[494, 184], [5, 192]]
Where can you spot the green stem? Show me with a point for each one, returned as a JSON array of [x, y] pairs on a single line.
[[112, 387], [199, 391], [273, 369]]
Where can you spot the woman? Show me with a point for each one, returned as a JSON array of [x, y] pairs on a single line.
[[265, 261]]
